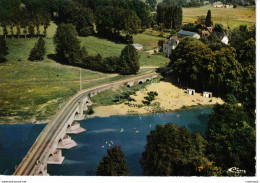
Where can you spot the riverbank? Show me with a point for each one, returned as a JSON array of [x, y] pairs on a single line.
[[170, 98]]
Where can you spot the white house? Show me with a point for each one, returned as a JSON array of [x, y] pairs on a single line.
[[191, 91], [228, 6], [169, 46], [207, 94], [137, 46], [218, 4]]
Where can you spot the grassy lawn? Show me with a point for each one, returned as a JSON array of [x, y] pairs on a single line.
[[106, 48], [33, 91], [147, 40], [232, 17], [95, 45], [37, 88]]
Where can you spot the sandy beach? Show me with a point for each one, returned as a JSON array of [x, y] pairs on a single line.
[[170, 98]]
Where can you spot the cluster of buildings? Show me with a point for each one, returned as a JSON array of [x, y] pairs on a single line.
[[172, 43], [219, 4]]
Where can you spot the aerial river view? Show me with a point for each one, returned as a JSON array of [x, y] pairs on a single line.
[[129, 132]]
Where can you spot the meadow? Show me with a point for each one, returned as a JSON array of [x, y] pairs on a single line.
[[34, 91], [105, 48], [232, 17]]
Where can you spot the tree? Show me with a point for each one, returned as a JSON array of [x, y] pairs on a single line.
[[113, 164], [218, 28], [225, 71], [232, 138], [73, 12], [38, 51], [208, 21], [203, 68], [5, 31], [201, 20], [142, 10], [247, 53], [241, 34], [112, 20], [129, 61], [169, 15], [3, 49], [152, 4], [67, 44], [31, 30], [190, 62], [173, 151]]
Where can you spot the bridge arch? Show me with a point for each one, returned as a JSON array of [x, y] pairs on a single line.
[[140, 82]]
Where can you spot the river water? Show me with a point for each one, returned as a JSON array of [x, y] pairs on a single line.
[[129, 132]]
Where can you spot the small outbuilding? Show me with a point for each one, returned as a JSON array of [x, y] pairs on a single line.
[[207, 94], [137, 46], [191, 91]]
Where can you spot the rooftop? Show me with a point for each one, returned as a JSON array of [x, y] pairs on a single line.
[[172, 42], [218, 3], [187, 33], [136, 45]]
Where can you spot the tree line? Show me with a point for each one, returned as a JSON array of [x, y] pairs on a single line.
[[110, 17], [169, 15], [24, 14], [69, 51], [116, 20]]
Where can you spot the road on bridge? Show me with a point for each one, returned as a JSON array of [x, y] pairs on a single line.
[[39, 152]]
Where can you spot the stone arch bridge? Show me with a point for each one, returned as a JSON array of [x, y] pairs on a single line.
[[47, 148]]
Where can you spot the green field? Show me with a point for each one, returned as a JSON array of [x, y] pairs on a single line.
[[148, 41], [107, 48], [232, 17], [33, 91]]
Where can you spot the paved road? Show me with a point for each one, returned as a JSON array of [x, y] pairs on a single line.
[[40, 149]]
